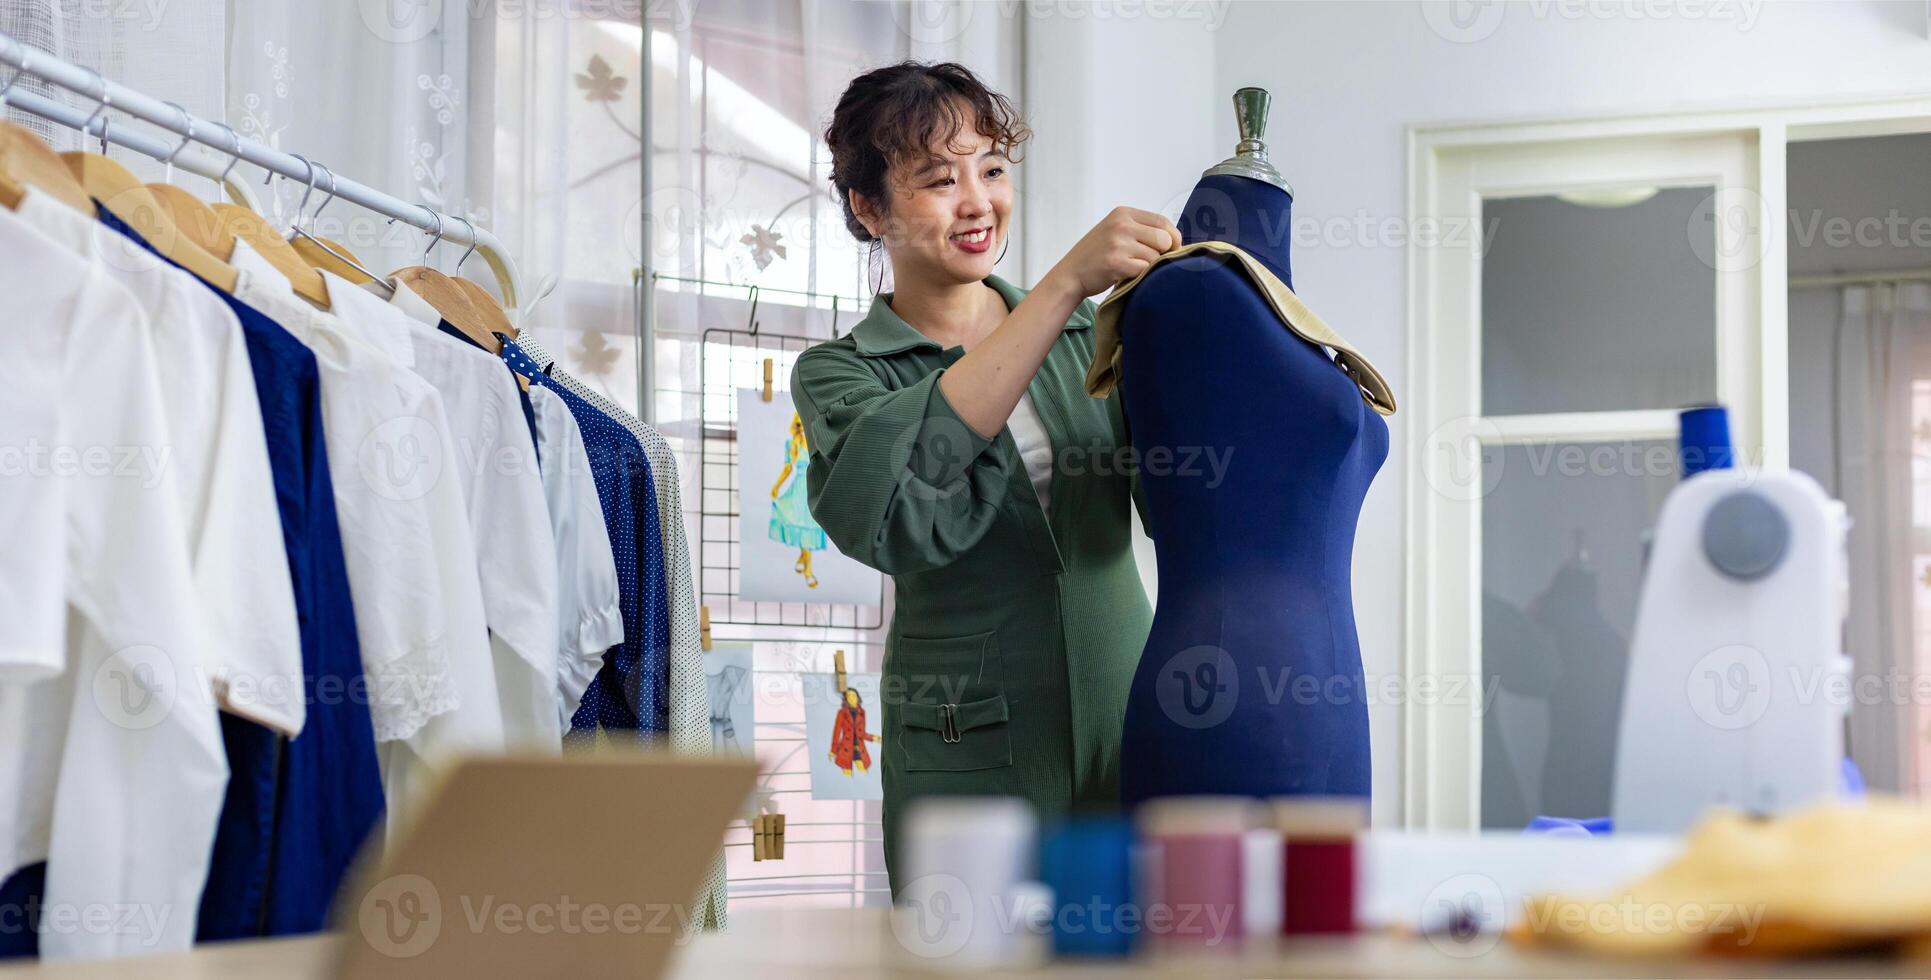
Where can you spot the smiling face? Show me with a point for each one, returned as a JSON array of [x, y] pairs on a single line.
[[947, 216]]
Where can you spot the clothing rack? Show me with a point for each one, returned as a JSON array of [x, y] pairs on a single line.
[[217, 161]]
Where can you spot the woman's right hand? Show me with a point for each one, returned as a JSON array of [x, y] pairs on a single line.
[[1121, 246]]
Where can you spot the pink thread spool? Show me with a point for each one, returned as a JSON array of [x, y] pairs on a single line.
[[1319, 873], [1196, 880]]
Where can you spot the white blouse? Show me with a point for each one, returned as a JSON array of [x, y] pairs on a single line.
[[514, 554], [252, 639], [112, 771], [1035, 449]]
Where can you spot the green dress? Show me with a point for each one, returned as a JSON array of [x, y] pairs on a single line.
[[1015, 636]]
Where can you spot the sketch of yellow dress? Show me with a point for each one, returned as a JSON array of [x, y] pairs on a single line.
[[791, 522]]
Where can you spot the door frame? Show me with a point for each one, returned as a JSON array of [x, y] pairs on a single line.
[[1441, 736]]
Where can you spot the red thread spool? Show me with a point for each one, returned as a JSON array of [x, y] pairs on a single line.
[[1319, 873], [1195, 889]]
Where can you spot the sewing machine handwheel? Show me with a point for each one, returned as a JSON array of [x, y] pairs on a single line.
[[1746, 535]]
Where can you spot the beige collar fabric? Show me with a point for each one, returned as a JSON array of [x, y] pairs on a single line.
[[1104, 373]]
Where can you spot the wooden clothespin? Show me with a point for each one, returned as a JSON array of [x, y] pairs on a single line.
[[838, 668], [767, 379], [704, 626], [767, 837]]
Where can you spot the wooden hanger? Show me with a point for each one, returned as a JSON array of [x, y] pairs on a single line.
[[446, 297], [312, 251], [449, 300], [492, 312], [196, 220], [325, 253], [189, 213], [124, 196], [121, 193], [453, 302], [493, 316], [247, 226], [11, 192], [493, 319], [26, 162]]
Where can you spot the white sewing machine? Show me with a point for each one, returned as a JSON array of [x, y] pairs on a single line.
[[1738, 685]]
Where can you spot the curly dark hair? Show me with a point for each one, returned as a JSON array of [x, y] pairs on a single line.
[[891, 115]]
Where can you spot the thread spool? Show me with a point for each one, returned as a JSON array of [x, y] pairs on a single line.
[[967, 866], [1703, 440], [1088, 864], [1319, 870], [1199, 857], [1261, 881]]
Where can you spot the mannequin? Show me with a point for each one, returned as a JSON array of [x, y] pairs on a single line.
[[1251, 681]]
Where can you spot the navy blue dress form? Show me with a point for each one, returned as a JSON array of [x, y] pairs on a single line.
[[1251, 680]]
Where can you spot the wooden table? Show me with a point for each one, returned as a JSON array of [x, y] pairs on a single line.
[[857, 943]]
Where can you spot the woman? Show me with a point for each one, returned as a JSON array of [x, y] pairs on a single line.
[[954, 448]]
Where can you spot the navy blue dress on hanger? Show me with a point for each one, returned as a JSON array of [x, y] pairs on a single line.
[[1251, 681]]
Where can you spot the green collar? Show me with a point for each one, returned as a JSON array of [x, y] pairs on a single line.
[[882, 331]]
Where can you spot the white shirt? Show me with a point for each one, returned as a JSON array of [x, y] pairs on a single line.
[[591, 618], [1035, 449], [395, 465], [227, 491], [515, 554], [388, 447], [590, 613], [33, 617], [112, 771]]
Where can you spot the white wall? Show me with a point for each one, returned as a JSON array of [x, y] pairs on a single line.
[[1135, 106], [1125, 110], [1092, 84]]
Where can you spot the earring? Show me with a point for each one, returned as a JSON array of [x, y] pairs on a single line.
[[871, 257], [1002, 249]]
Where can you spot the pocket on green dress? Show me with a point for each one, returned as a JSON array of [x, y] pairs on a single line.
[[950, 700]]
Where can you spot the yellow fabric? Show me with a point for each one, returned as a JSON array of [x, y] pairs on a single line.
[[1830, 877], [1105, 370]]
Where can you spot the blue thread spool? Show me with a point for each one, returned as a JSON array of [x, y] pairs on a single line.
[[1088, 863], [1704, 440]]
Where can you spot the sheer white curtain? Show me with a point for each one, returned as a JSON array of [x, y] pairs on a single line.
[[561, 112], [1880, 440], [376, 90], [168, 48]]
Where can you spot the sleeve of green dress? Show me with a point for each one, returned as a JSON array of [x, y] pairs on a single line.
[[897, 479]]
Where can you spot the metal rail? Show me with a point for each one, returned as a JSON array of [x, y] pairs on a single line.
[[223, 147]]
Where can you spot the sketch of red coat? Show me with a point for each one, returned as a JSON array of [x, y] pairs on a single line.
[[848, 738]]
